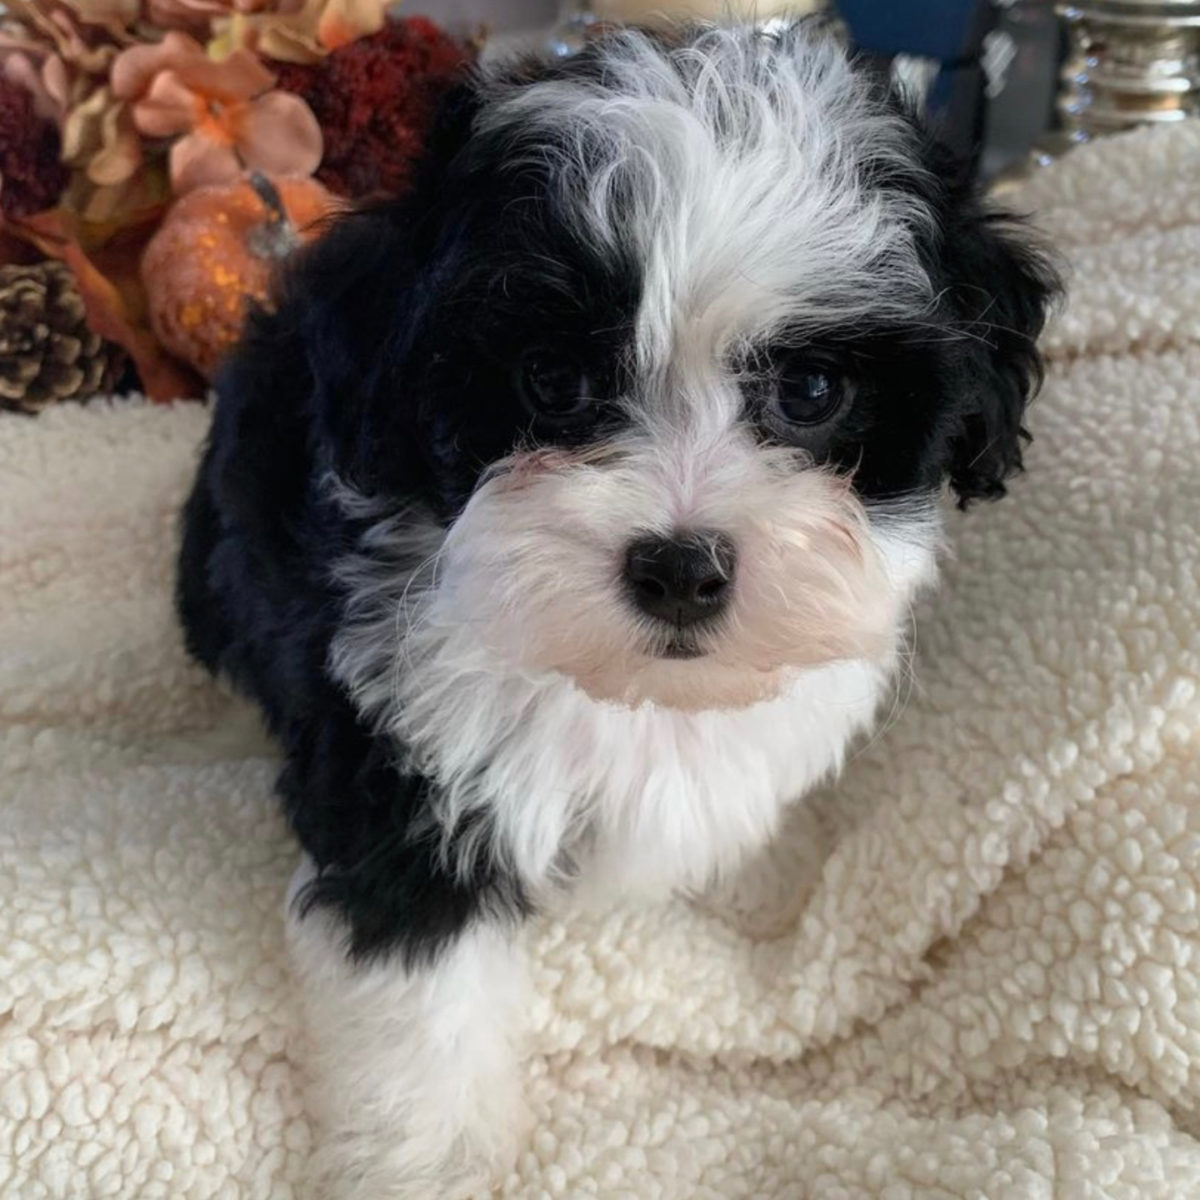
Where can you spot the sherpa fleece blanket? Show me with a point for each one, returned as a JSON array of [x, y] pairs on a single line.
[[971, 968]]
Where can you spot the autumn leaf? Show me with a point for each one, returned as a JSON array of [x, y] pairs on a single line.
[[108, 279]]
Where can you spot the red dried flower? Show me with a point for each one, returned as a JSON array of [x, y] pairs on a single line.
[[32, 176], [373, 99]]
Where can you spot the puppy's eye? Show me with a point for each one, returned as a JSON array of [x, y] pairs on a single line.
[[554, 389], [795, 395], [798, 394]]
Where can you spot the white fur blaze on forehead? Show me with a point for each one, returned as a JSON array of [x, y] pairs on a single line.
[[733, 172]]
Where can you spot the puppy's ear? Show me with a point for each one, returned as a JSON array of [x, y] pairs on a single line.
[[1000, 286], [354, 302]]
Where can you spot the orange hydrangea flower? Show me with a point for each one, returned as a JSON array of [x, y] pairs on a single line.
[[224, 114]]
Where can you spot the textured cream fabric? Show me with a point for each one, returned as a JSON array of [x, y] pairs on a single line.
[[972, 969]]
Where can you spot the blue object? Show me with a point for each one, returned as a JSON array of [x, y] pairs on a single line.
[[947, 30], [947, 33]]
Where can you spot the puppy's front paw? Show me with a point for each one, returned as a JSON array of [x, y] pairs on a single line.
[[414, 1082], [415, 1164]]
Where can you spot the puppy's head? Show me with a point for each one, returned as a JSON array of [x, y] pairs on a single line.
[[664, 363]]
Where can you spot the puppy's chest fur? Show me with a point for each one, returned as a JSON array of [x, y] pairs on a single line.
[[567, 790], [672, 799]]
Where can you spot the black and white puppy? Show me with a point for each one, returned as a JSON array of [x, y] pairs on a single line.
[[565, 517]]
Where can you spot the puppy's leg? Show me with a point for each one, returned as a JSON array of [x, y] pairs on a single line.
[[414, 1074]]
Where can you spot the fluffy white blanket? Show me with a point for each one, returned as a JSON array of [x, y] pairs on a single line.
[[971, 969]]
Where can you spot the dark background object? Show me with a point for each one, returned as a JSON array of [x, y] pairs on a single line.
[[985, 70], [1021, 108]]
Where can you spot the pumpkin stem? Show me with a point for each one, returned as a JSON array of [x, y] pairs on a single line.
[[276, 237]]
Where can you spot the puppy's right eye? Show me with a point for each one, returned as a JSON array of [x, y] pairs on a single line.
[[554, 389]]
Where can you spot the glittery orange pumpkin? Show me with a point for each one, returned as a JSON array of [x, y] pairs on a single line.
[[215, 253]]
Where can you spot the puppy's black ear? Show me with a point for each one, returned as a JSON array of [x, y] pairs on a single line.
[[353, 303], [370, 287], [1000, 286]]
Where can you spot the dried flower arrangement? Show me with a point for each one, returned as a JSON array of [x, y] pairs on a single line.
[[133, 130]]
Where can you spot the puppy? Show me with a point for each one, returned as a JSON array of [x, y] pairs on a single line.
[[564, 518]]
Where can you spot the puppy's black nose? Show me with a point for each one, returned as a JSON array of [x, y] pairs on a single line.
[[683, 579]]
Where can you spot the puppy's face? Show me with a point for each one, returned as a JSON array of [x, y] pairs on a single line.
[[687, 341]]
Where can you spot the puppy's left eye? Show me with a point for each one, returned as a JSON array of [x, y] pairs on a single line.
[[797, 395], [555, 389], [801, 394], [807, 397]]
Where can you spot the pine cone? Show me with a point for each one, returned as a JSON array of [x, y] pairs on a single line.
[[47, 352]]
